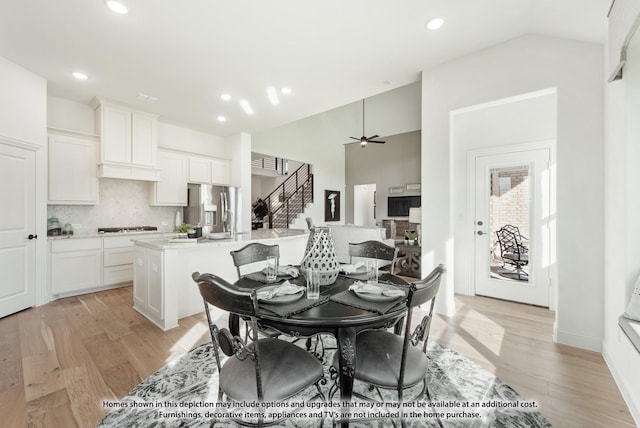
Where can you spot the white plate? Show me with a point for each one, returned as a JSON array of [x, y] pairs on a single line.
[[287, 298]]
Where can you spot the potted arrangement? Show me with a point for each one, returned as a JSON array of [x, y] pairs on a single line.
[[410, 237], [183, 230]]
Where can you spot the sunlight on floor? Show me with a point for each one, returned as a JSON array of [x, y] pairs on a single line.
[[474, 343]]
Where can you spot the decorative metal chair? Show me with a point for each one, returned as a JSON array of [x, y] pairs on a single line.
[[391, 361], [250, 253], [512, 250], [374, 250], [253, 253], [264, 369]]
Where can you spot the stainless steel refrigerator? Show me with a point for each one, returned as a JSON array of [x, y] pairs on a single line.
[[214, 208]]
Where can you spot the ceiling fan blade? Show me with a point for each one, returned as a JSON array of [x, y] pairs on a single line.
[[354, 138], [372, 137], [374, 141]]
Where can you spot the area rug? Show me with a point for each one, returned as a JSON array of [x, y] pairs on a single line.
[[184, 393]]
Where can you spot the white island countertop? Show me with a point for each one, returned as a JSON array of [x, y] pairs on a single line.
[[163, 288], [166, 243]]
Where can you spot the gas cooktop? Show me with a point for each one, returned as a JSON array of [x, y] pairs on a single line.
[[126, 229]]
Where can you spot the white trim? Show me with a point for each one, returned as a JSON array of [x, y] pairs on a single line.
[[19, 143], [577, 340], [624, 388], [71, 133], [502, 101]]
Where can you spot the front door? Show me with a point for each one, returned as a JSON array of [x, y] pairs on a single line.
[[17, 229], [512, 201]]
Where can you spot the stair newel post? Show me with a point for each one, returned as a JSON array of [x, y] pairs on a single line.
[[270, 215]]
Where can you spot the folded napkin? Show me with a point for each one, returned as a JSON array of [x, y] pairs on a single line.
[[291, 271], [283, 289], [351, 268], [379, 289]]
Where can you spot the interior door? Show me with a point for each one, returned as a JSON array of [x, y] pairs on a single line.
[[17, 229], [513, 189]]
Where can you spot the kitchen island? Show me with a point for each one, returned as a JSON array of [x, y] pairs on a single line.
[[163, 290]]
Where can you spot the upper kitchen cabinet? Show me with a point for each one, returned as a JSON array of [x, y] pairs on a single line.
[[209, 170], [171, 190], [129, 142], [73, 169]]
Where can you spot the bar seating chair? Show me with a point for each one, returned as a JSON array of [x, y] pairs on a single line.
[[250, 253], [374, 250], [513, 250], [257, 370], [390, 361]]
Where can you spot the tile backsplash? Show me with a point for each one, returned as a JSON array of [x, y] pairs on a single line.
[[122, 203]]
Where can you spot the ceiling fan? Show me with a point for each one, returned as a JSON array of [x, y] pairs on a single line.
[[365, 140]]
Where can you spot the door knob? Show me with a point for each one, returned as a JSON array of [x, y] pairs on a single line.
[[480, 233], [32, 237]]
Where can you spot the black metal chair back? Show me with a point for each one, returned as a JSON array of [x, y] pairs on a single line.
[[420, 292], [374, 250], [223, 295], [251, 253]]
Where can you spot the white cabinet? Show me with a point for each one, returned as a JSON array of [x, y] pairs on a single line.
[[209, 170], [117, 260], [171, 190], [128, 142], [73, 176], [75, 265], [148, 287]]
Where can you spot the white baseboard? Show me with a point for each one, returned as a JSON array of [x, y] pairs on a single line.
[[577, 340], [625, 389]]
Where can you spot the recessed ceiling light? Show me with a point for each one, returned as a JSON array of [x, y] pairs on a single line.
[[272, 94], [246, 107], [117, 7], [79, 75], [285, 91], [221, 118], [435, 23], [225, 97]]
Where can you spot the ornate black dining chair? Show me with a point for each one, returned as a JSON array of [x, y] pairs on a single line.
[[390, 361], [253, 253], [374, 250], [260, 369], [250, 253]]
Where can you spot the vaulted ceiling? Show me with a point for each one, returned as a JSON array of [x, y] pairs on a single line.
[[330, 53]]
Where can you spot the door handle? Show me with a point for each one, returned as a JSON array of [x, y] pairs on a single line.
[[32, 237], [480, 233]]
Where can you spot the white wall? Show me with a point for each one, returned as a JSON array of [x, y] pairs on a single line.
[[319, 140], [622, 229], [23, 122], [528, 64], [517, 120]]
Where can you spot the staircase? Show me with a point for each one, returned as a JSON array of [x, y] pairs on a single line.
[[290, 198]]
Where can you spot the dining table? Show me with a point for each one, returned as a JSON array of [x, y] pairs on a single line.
[[338, 311]]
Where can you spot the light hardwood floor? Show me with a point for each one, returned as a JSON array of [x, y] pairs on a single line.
[[61, 360]]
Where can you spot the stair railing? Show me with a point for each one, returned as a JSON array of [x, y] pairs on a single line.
[[294, 188]]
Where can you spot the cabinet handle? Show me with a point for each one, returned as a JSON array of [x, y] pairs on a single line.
[[32, 237]]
